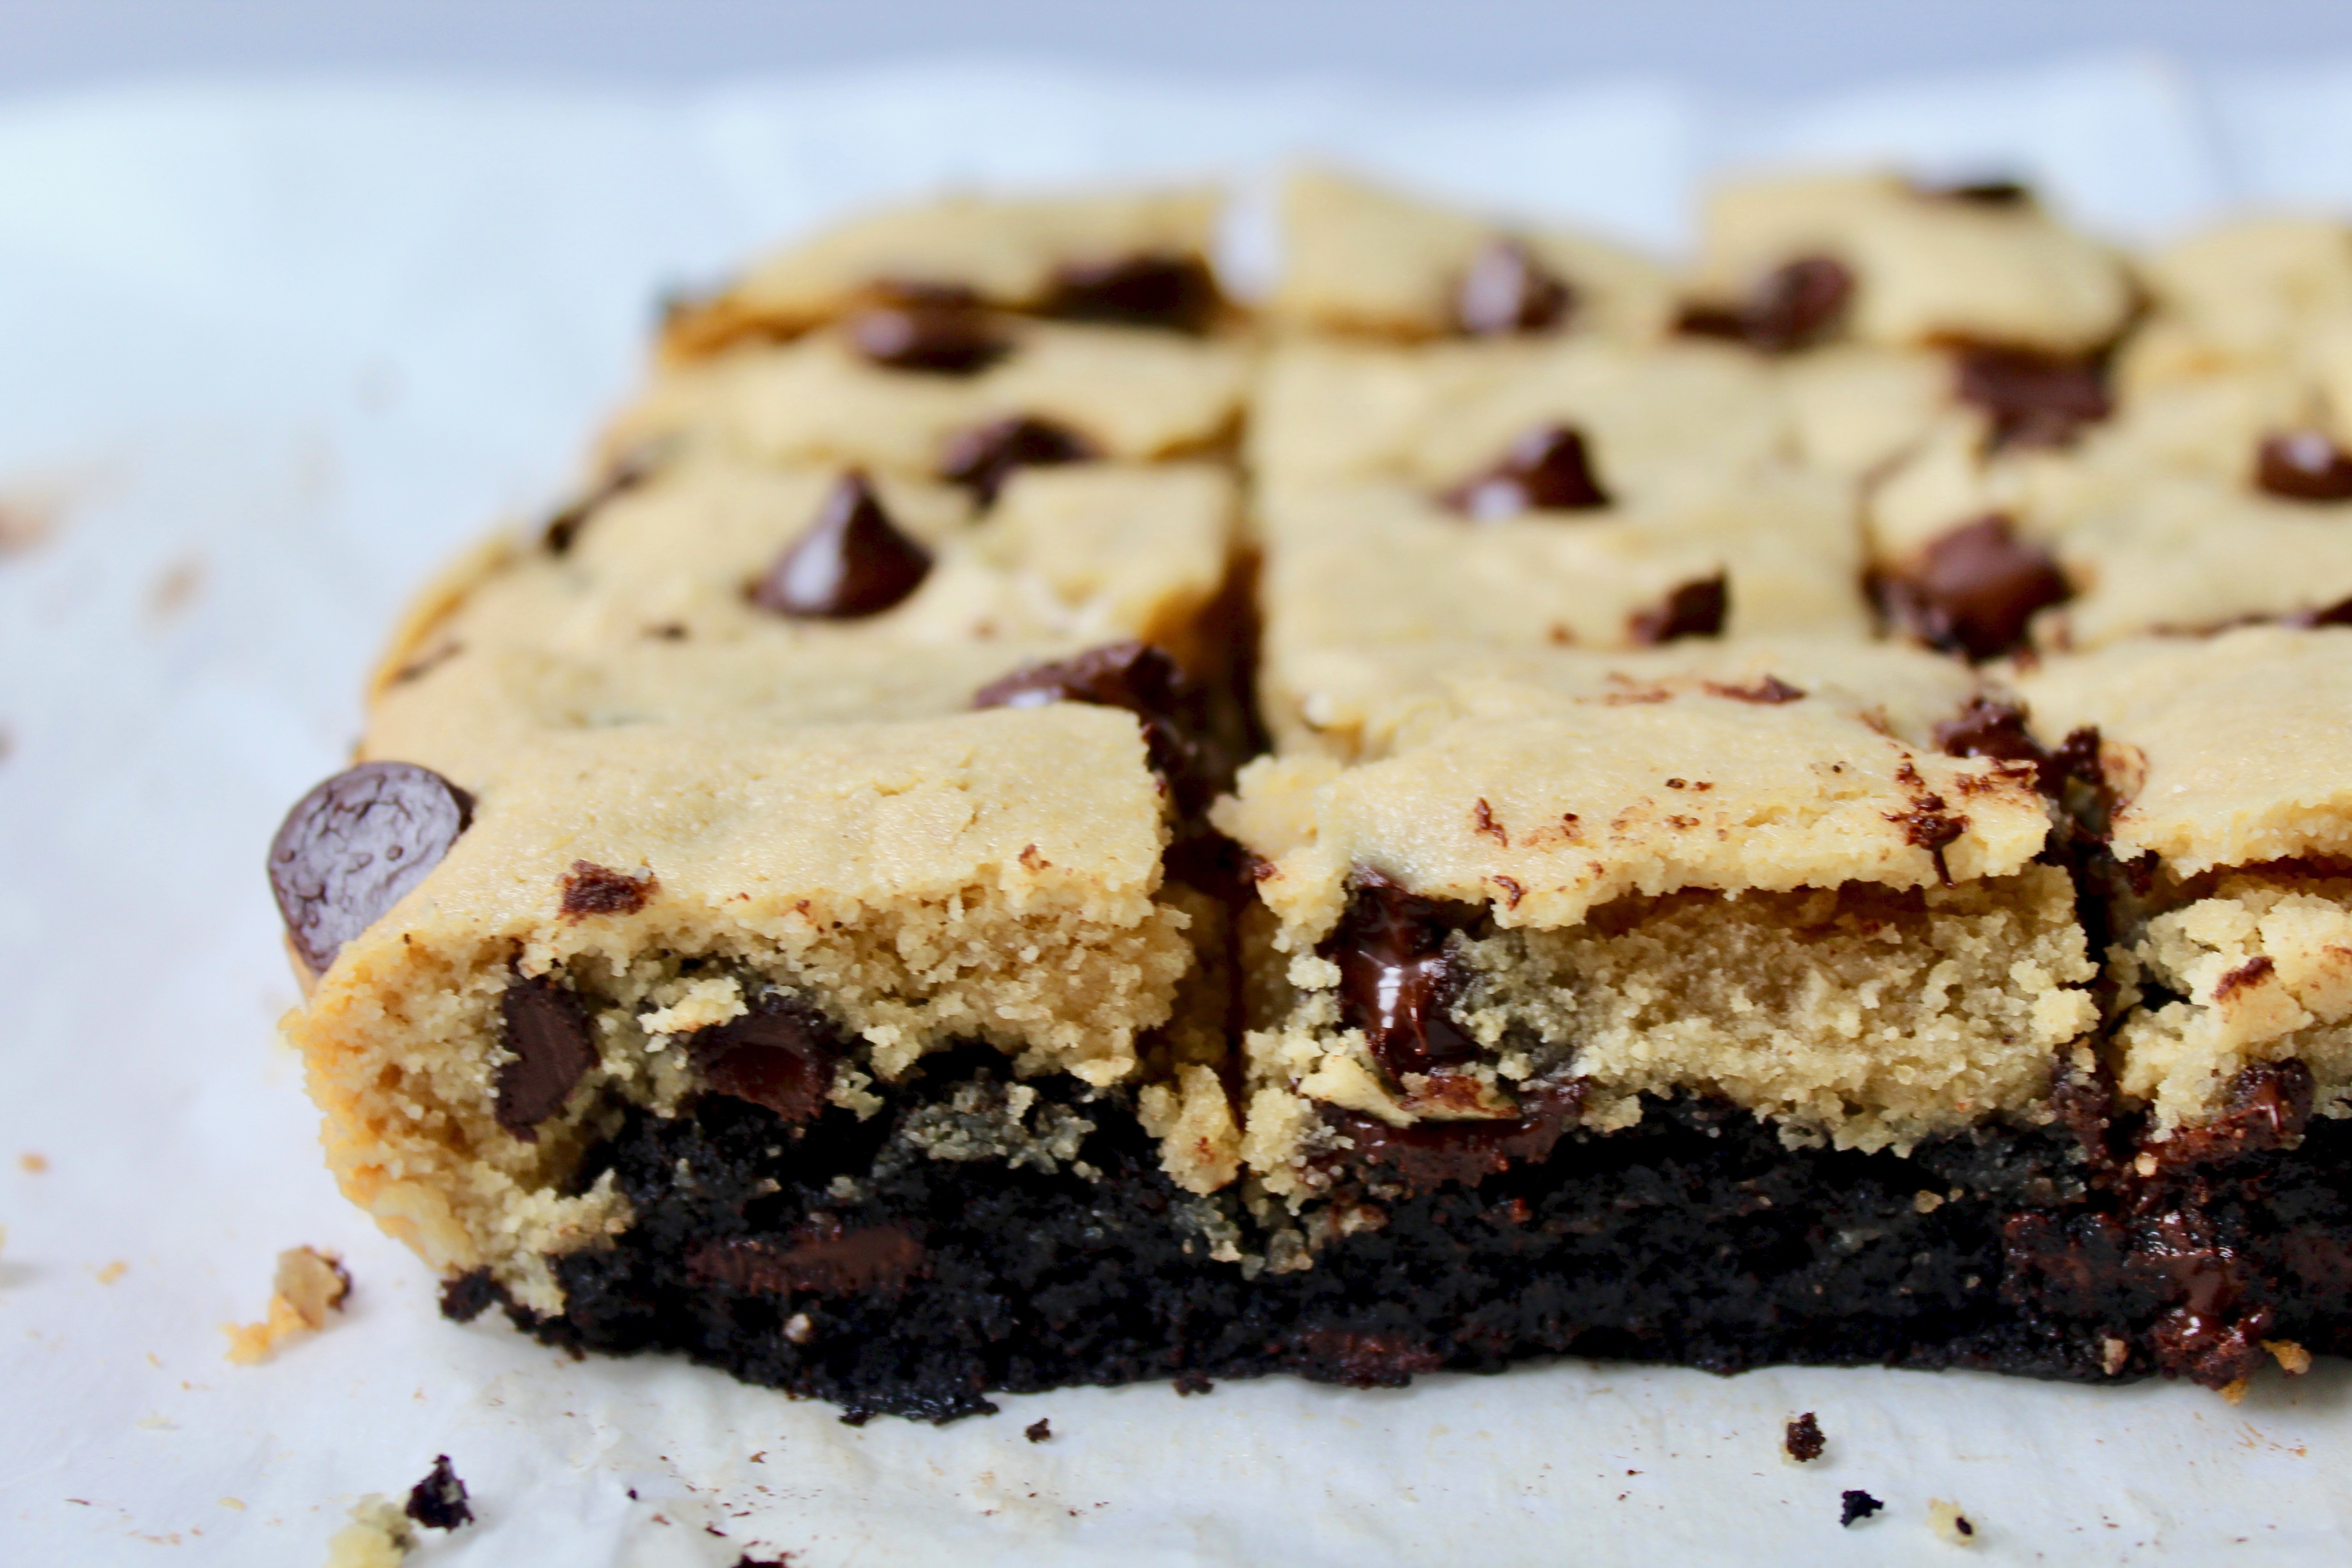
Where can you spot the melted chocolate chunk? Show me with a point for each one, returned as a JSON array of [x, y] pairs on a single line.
[[781, 1055], [2268, 1106], [2303, 465], [936, 336], [852, 562], [826, 1261], [1803, 1438], [354, 848], [1396, 978], [1693, 610], [1506, 289], [2035, 399], [1856, 1504], [1166, 289], [1178, 735], [1427, 1154], [1974, 591], [438, 1501], [983, 457], [1985, 727], [1794, 307], [1546, 469], [592, 890], [550, 1047]]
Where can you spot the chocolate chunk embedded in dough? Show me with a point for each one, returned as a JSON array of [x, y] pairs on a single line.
[[1791, 308], [852, 562], [354, 848], [1164, 289], [1548, 469], [550, 1047], [1693, 610], [934, 336], [1396, 978], [592, 890], [2303, 465], [1506, 289], [2035, 399], [780, 1056], [982, 458], [1974, 591]]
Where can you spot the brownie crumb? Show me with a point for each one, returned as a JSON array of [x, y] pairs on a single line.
[[1803, 1440], [781, 1560], [1038, 1431], [468, 1296], [1946, 1521], [1856, 1504], [438, 1501], [1190, 1383]]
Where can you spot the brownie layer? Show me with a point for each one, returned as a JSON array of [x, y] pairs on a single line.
[[915, 1263]]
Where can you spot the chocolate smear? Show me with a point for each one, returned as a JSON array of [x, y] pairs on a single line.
[[2303, 465], [1771, 692], [1505, 290], [780, 1056], [935, 336], [1396, 978], [1693, 610], [592, 890], [1179, 736], [550, 1047], [1548, 469], [853, 562], [982, 458], [1929, 823], [826, 1259], [1791, 308], [438, 1501], [354, 848], [1167, 290], [2035, 399], [1974, 591]]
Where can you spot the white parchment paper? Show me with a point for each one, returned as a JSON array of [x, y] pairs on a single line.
[[267, 354]]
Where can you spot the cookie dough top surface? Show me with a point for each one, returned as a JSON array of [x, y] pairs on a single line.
[[1364, 703], [1543, 815], [1045, 806], [1361, 259], [2226, 751], [1926, 268], [1655, 420], [2248, 290], [1003, 251], [1128, 394]]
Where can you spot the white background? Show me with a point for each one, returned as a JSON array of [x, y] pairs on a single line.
[[267, 353]]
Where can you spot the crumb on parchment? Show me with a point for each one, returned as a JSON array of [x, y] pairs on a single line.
[[378, 1536], [1802, 1440], [311, 1286], [1946, 1521]]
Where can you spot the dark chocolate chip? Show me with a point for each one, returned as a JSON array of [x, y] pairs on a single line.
[[632, 468], [937, 336], [2303, 465], [781, 1055], [550, 1047], [1803, 1438], [1397, 979], [1546, 469], [1769, 691], [828, 1260], [592, 890], [1506, 289], [1792, 306], [1693, 610], [852, 562], [1856, 1504], [1974, 591], [2035, 399], [469, 1295], [1038, 1431], [1178, 738], [438, 1501], [982, 458], [1995, 192], [354, 848], [1161, 288]]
